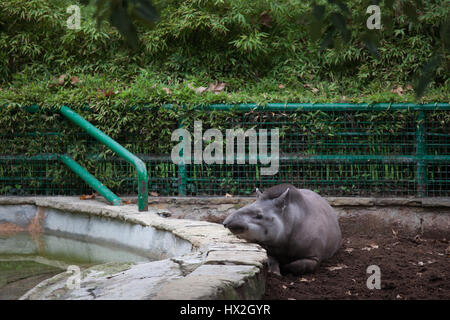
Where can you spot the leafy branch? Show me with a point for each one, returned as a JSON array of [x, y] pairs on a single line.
[[330, 22]]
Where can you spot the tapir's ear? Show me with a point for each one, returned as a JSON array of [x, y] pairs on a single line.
[[281, 200], [258, 193]]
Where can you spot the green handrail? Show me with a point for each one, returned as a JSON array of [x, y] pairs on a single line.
[[117, 148], [74, 166], [90, 179]]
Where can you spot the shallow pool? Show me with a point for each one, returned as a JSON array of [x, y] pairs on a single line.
[[26, 259]]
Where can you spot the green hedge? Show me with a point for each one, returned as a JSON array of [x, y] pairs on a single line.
[[200, 42], [146, 131]]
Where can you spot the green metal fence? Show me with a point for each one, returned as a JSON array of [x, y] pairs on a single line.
[[335, 149]]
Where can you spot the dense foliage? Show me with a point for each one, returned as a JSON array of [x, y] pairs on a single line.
[[261, 49]]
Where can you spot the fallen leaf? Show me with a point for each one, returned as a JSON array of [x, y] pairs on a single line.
[[106, 93], [74, 79], [167, 90], [198, 89], [265, 18], [61, 79], [154, 194], [370, 247], [217, 87], [307, 280], [281, 86], [338, 267], [87, 197], [313, 89], [395, 233], [399, 90], [127, 202]]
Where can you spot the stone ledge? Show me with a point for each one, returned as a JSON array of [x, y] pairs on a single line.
[[223, 202], [216, 281], [226, 203]]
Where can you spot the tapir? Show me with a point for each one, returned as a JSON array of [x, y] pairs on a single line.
[[297, 227]]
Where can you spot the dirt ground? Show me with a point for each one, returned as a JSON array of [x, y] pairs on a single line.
[[412, 266]]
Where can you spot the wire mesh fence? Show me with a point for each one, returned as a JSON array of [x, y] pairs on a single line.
[[335, 152]]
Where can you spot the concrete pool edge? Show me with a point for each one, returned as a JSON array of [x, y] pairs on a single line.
[[220, 265]]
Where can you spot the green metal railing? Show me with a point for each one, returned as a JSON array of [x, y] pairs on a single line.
[[73, 166], [116, 147], [420, 159], [341, 107], [90, 179], [335, 149]]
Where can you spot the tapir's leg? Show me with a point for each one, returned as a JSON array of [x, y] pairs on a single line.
[[273, 266], [301, 266]]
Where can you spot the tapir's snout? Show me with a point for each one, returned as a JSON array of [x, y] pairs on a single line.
[[236, 226]]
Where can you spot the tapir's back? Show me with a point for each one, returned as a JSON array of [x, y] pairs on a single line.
[[324, 219]]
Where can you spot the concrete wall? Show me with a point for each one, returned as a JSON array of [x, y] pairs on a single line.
[[87, 237]]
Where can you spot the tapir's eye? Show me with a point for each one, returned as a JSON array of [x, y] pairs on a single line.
[[259, 216]]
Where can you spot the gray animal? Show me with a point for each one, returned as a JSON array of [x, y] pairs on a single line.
[[297, 227]]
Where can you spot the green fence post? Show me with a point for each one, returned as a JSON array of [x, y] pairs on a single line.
[[421, 153], [181, 171]]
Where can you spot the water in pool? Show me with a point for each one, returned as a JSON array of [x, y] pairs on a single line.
[[26, 260]]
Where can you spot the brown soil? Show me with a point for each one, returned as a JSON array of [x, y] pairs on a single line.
[[412, 266]]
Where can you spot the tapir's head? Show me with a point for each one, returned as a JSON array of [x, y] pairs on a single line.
[[261, 221]]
